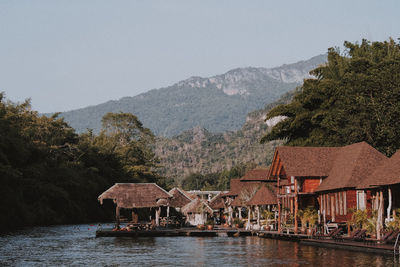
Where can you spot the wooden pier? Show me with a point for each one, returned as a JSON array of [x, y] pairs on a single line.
[[232, 232], [174, 232]]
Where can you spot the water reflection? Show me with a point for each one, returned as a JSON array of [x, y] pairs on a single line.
[[76, 245]]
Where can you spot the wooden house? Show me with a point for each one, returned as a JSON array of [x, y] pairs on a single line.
[[299, 171], [338, 192], [384, 187], [325, 178]]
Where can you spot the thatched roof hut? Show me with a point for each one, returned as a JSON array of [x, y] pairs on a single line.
[[266, 195], [217, 202], [197, 206], [130, 195], [179, 198]]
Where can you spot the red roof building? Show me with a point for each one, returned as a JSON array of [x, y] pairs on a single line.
[[322, 177]]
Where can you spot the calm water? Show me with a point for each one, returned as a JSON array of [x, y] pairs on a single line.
[[77, 246]]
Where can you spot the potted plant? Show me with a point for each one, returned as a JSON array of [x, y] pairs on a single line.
[[210, 224], [201, 227], [302, 214], [312, 218], [238, 223], [268, 216]]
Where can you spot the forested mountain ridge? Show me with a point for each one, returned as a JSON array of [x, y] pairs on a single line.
[[199, 151], [218, 104]]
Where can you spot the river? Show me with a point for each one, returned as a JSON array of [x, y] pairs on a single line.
[[76, 245]]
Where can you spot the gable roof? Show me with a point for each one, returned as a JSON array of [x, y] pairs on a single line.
[[306, 161], [131, 195], [258, 174], [247, 191], [217, 202], [179, 198], [196, 206], [387, 173], [266, 195], [352, 164], [234, 188]]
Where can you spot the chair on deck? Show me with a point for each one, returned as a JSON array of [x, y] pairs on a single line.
[[332, 234], [391, 238], [361, 235], [352, 235]]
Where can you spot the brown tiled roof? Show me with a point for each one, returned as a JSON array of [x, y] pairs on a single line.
[[217, 202], [266, 195], [352, 164], [234, 188], [179, 198], [387, 173], [259, 174], [307, 161], [129, 195], [196, 206], [247, 190]]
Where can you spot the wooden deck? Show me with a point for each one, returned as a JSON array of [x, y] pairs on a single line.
[[174, 232], [351, 245], [232, 232]]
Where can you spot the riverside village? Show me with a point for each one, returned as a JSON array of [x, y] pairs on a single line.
[[342, 197]]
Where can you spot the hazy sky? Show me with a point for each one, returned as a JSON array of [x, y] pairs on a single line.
[[71, 54]]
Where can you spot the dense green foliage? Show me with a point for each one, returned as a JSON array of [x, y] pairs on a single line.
[[215, 181], [199, 151], [51, 175], [218, 103], [355, 97]]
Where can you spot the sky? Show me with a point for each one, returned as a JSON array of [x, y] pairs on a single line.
[[69, 54]]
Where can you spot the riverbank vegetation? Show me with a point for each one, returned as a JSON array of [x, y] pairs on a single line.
[[51, 175]]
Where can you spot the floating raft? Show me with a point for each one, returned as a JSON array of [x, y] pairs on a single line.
[[173, 232]]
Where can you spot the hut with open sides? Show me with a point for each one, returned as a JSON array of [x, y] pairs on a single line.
[[197, 211], [384, 185], [243, 189], [217, 204], [264, 199], [135, 196]]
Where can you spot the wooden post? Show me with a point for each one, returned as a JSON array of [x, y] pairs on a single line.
[[379, 223], [279, 216], [248, 219], [134, 217], [333, 207], [296, 206], [167, 215], [240, 212], [258, 215], [230, 215], [117, 217], [390, 203], [158, 216]]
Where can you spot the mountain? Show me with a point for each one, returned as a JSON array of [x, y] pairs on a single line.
[[219, 103], [199, 151]]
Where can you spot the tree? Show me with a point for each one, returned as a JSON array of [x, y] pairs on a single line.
[[355, 97]]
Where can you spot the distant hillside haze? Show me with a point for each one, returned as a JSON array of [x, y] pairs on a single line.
[[218, 104]]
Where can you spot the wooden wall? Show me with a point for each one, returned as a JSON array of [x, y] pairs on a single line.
[[310, 185]]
